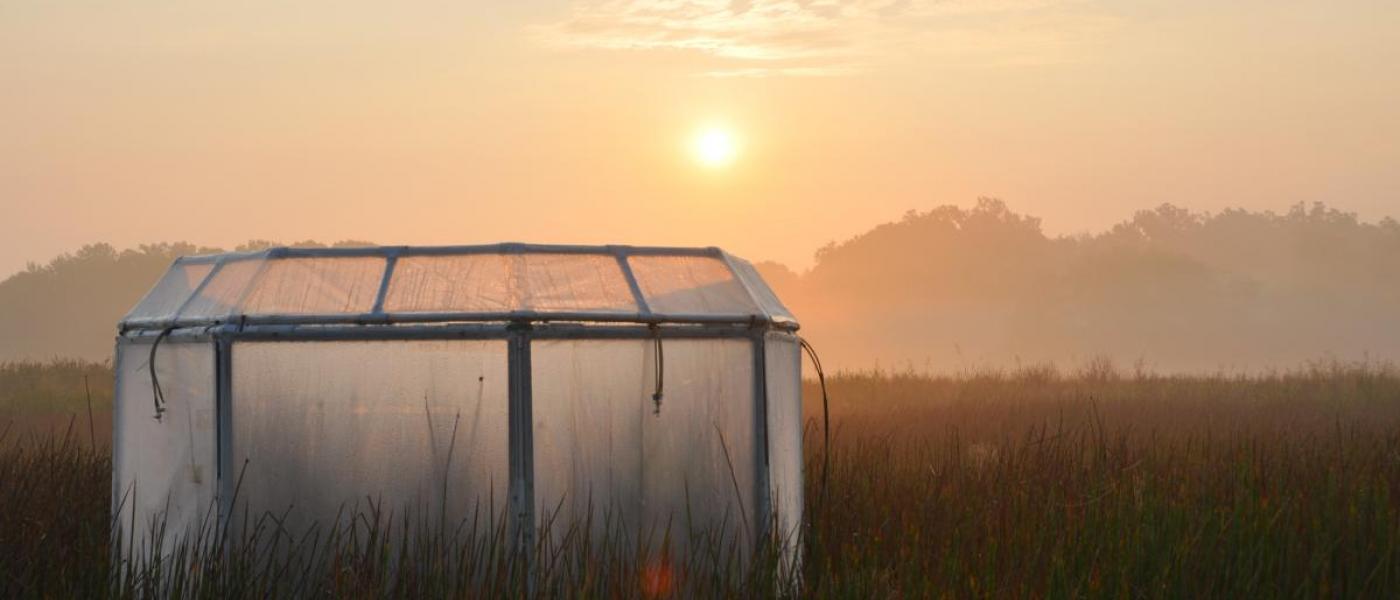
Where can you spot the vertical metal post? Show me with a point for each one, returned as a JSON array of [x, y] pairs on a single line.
[[521, 439], [763, 506], [223, 426]]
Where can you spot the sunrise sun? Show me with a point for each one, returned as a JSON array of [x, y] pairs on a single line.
[[715, 147]]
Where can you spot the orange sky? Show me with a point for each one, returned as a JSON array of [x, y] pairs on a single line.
[[557, 121]]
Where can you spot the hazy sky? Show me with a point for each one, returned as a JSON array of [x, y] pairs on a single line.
[[462, 122]]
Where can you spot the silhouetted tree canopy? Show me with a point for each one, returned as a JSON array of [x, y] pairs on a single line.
[[955, 288]]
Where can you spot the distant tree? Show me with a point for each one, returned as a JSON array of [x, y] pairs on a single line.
[[70, 306], [1186, 289]]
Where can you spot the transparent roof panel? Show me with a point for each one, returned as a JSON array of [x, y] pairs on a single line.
[[219, 297], [575, 282], [171, 292], [460, 283], [767, 300], [690, 285], [315, 286], [589, 283], [469, 283]]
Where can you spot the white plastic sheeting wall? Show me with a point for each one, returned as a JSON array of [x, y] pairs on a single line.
[[164, 476], [784, 365], [403, 424], [602, 445], [327, 428]]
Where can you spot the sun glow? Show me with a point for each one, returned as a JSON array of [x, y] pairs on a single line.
[[715, 147]]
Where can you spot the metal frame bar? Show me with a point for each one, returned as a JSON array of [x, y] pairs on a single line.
[[463, 317], [521, 502], [479, 331], [176, 336], [223, 427], [502, 248], [763, 507], [389, 263], [637, 296], [225, 256]]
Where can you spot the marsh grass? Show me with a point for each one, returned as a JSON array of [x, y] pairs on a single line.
[[55, 498], [1034, 482], [1099, 483], [44, 398], [411, 554], [55, 387]]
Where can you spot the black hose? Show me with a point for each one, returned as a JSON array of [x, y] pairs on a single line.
[[157, 395], [826, 419], [660, 371]]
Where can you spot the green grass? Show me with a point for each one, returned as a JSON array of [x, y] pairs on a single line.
[[1029, 483]]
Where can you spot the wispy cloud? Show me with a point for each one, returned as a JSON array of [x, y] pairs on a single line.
[[831, 37]]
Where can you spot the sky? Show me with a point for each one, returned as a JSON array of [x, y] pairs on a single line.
[[574, 122]]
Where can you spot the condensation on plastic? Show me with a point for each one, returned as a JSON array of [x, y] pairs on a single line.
[[690, 285], [574, 282], [505, 282], [469, 283], [163, 471], [404, 425], [601, 445], [590, 399], [545, 282], [316, 285], [171, 292], [219, 298], [783, 361]]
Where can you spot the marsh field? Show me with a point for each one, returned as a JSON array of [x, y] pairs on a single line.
[[1089, 481]]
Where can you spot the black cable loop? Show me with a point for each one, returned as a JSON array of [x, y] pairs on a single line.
[[826, 419], [157, 395]]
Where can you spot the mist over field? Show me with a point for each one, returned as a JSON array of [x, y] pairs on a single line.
[[1169, 290], [958, 289]]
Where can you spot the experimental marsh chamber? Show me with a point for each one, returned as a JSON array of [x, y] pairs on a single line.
[[542, 387]]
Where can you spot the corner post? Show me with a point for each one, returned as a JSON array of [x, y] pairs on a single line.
[[223, 427], [521, 504], [762, 494]]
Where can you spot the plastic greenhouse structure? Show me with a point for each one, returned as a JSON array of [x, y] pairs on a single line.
[[523, 382]]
